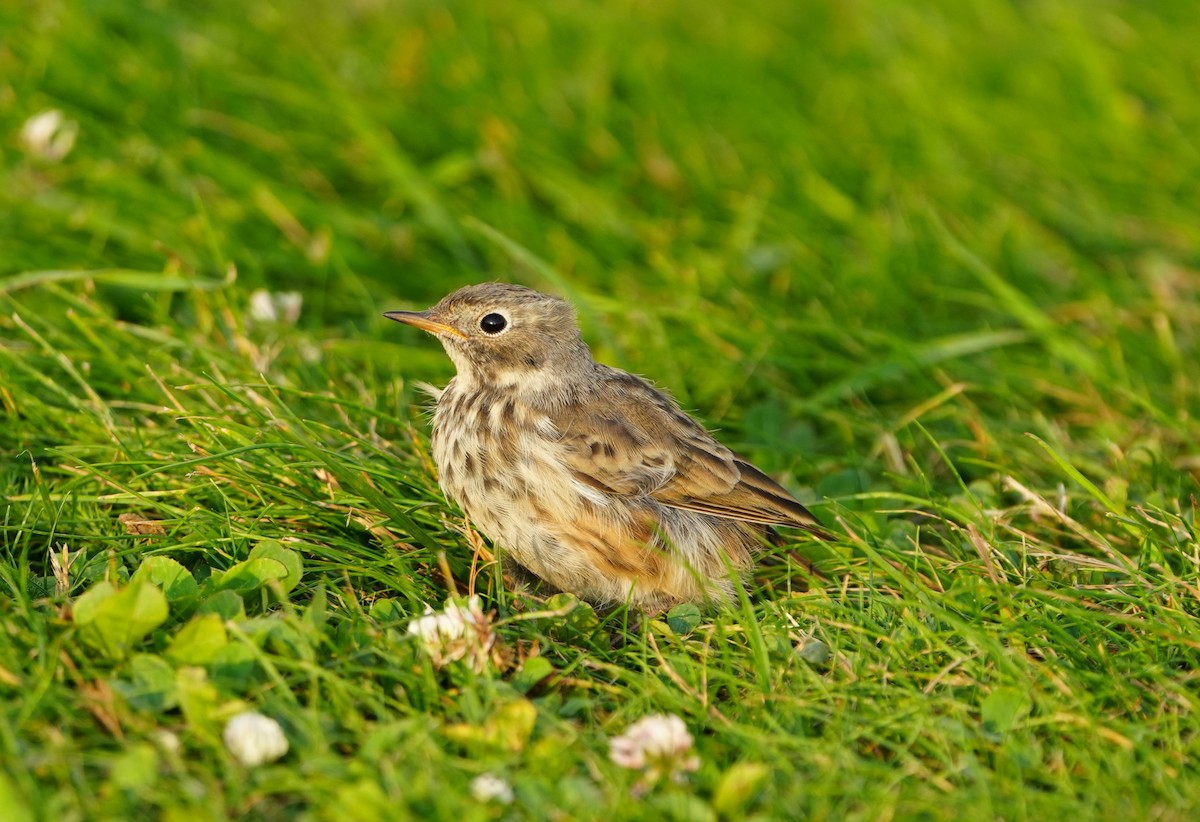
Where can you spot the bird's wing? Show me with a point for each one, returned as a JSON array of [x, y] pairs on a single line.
[[631, 440]]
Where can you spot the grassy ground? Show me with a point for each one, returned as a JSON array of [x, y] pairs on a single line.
[[933, 265]]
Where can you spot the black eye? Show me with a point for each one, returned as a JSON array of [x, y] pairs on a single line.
[[493, 323]]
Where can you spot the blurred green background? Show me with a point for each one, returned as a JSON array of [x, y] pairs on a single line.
[[822, 195], [799, 152], [875, 243]]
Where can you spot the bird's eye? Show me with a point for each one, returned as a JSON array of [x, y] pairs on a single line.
[[493, 323]]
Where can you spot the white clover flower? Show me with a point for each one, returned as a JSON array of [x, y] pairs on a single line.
[[254, 739], [273, 307], [289, 304], [167, 741], [658, 745], [487, 787], [457, 632], [49, 135]]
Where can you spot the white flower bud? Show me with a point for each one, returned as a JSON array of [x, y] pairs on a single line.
[[276, 307], [457, 632], [49, 135], [254, 739], [659, 745], [488, 787]]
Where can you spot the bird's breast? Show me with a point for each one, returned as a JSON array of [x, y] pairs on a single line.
[[502, 462]]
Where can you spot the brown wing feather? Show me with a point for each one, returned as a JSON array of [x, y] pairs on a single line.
[[754, 498], [632, 440]]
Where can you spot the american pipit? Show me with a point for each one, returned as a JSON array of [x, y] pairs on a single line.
[[588, 477]]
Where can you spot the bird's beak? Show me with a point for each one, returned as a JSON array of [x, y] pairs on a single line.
[[420, 319]]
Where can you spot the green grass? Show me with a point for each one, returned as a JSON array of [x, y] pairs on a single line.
[[934, 266]]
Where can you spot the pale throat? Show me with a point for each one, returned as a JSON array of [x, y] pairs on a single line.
[[467, 375], [530, 381], [526, 380], [533, 388]]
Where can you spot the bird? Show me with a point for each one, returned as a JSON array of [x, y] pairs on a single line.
[[585, 476]]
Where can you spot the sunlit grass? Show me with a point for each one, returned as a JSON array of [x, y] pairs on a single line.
[[932, 266]]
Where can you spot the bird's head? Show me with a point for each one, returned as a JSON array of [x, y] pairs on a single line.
[[502, 334]]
